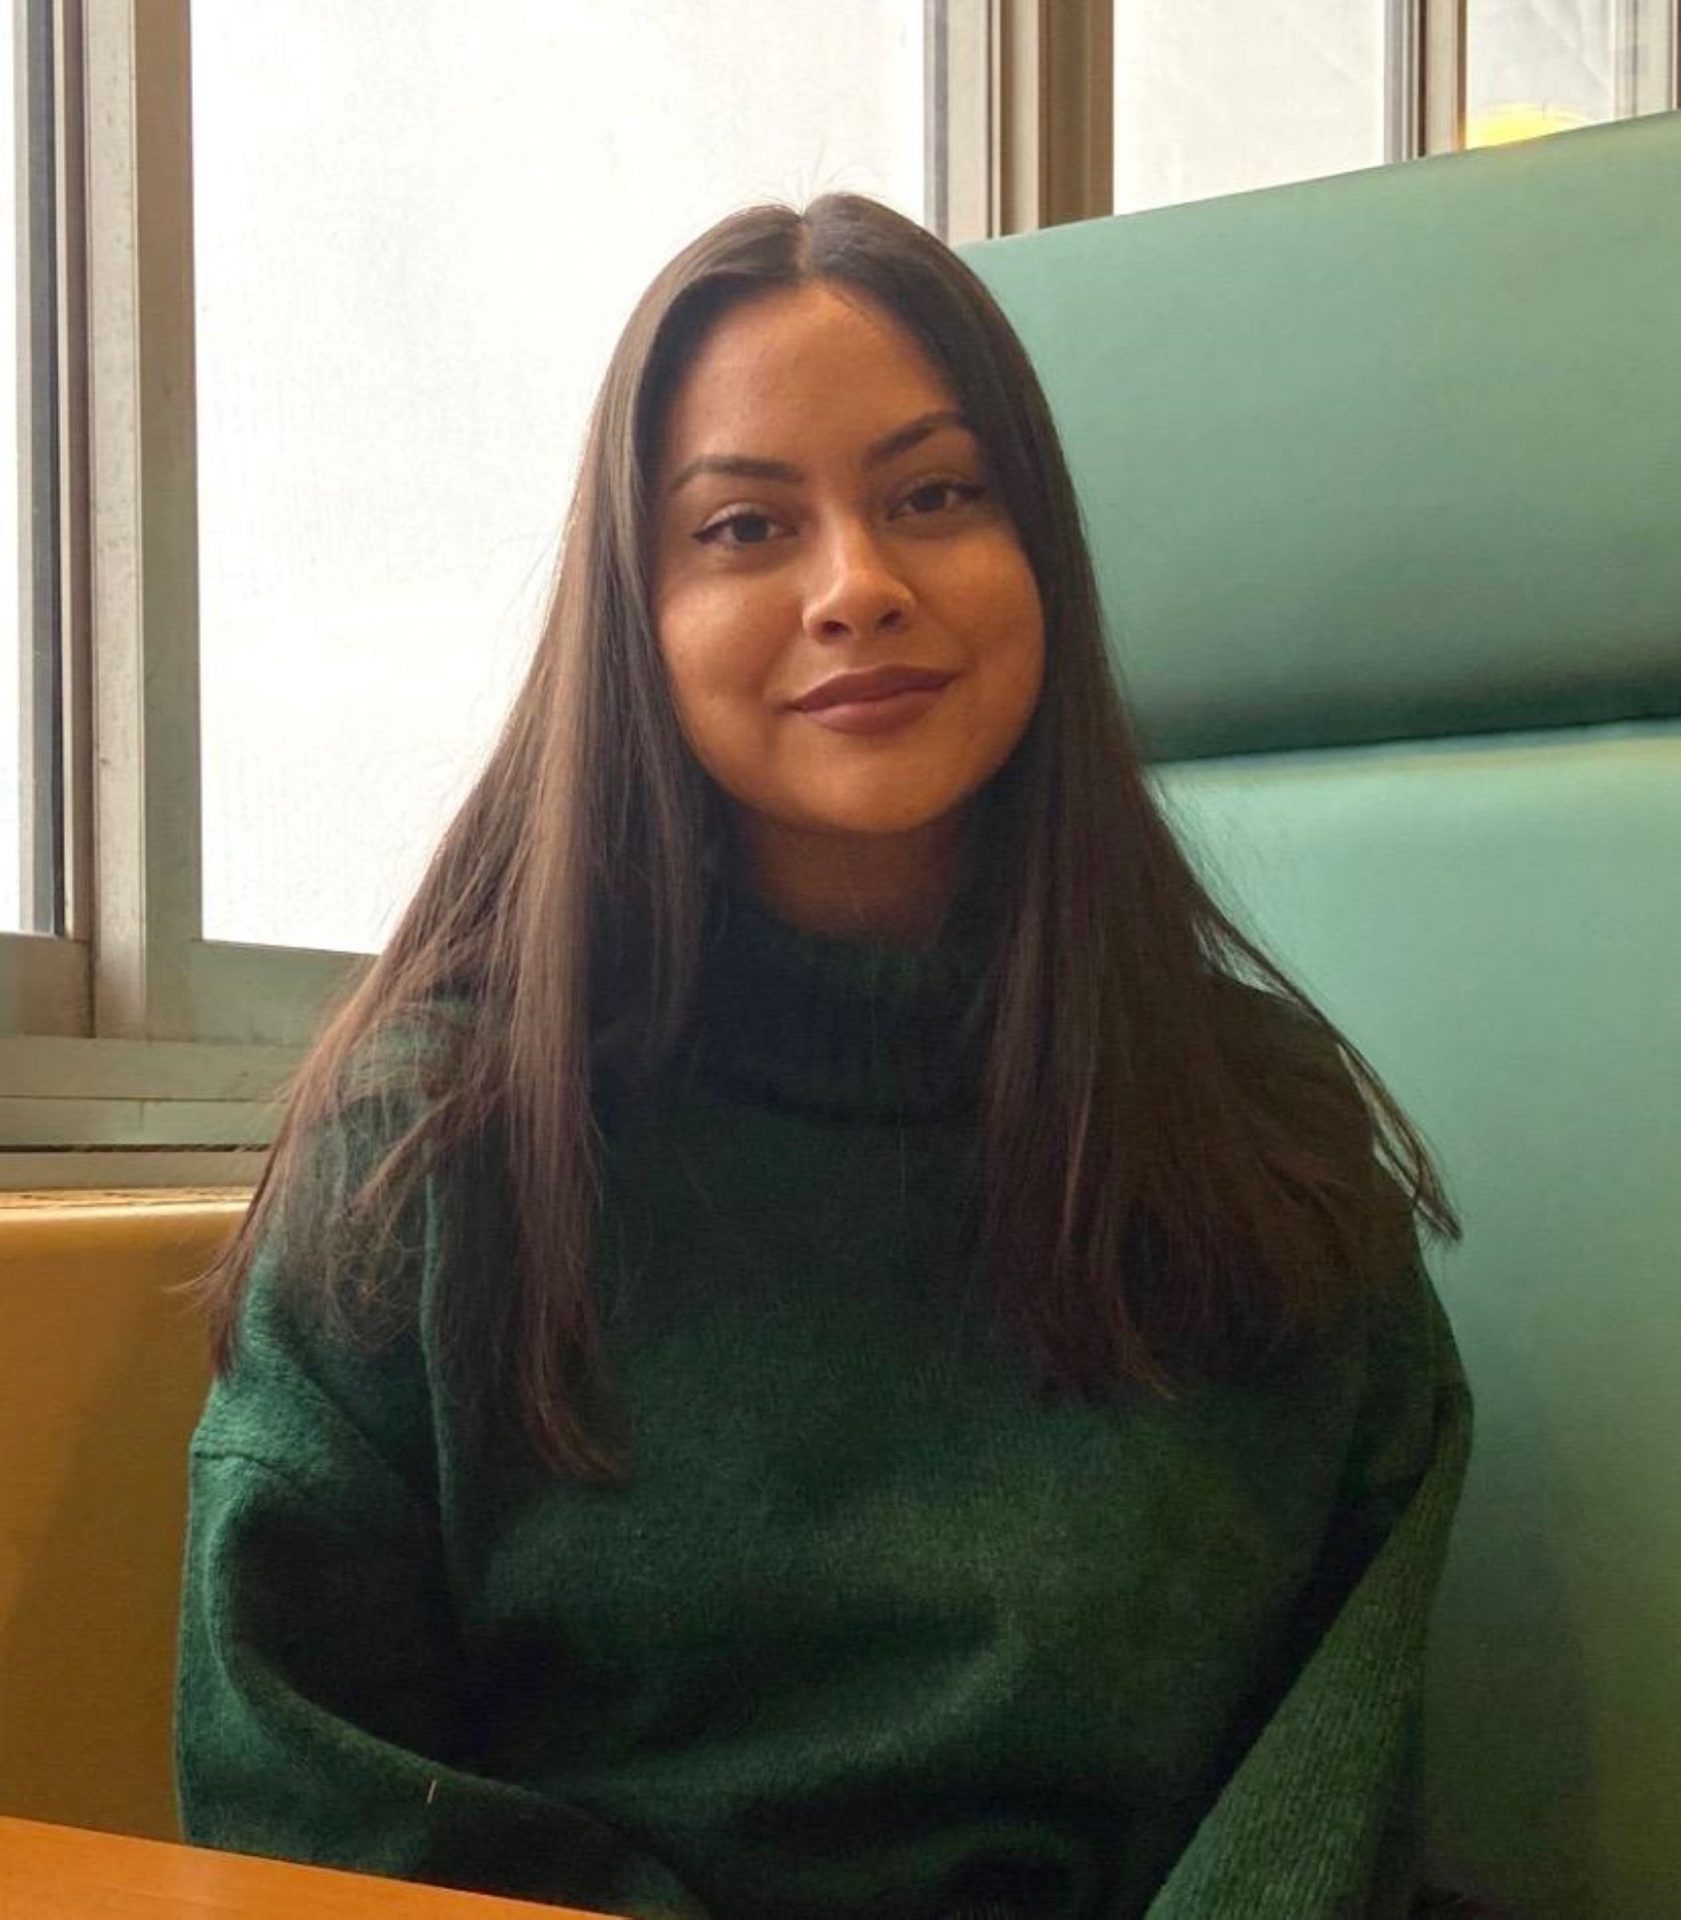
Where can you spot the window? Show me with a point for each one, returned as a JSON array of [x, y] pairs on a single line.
[[1211, 98], [461, 205], [1534, 68], [1214, 99], [304, 336], [329, 346]]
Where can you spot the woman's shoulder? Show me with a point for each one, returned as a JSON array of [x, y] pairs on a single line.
[[356, 1185], [1247, 1000], [412, 1054], [1312, 1090], [1262, 1026]]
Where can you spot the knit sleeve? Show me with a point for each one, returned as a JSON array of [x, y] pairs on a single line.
[[323, 1700], [1322, 1818]]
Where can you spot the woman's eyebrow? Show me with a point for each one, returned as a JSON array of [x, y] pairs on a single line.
[[745, 467]]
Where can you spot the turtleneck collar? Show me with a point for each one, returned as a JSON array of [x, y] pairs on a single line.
[[847, 1027]]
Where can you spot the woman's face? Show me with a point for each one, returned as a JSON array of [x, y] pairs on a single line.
[[852, 633]]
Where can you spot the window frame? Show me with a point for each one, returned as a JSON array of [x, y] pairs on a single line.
[[1427, 55]]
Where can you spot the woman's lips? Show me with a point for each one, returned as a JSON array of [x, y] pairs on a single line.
[[885, 714]]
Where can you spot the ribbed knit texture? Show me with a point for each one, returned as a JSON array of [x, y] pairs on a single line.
[[874, 1631], [862, 1032]]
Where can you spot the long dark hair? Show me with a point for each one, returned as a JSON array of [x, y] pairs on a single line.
[[1183, 1169]]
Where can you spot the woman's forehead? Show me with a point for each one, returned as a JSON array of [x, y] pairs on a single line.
[[794, 358]]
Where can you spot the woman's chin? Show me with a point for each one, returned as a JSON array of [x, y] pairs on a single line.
[[869, 822]]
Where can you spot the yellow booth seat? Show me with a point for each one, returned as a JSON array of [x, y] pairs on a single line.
[[105, 1371]]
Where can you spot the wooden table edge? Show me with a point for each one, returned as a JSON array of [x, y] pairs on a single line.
[[39, 1858]]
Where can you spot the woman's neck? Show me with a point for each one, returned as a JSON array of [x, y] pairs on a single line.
[[891, 888]]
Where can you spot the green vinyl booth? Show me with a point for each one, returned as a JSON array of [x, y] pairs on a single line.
[[1382, 476]]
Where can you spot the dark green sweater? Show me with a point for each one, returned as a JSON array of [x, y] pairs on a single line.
[[874, 1631]]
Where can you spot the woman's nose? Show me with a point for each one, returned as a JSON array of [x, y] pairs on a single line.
[[856, 589]]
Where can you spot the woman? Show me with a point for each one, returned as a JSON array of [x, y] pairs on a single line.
[[806, 1347]]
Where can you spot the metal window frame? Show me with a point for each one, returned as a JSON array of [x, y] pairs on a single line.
[[132, 1050], [1427, 60], [1020, 115], [43, 976], [1425, 71], [1647, 49], [39, 578]]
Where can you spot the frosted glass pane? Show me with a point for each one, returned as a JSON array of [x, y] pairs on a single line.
[[419, 227], [1211, 98], [11, 668], [1536, 66]]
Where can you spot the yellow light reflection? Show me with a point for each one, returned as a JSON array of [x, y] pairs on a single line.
[[1519, 120]]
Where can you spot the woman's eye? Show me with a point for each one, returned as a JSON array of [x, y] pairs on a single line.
[[933, 489], [754, 529], [709, 535]]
